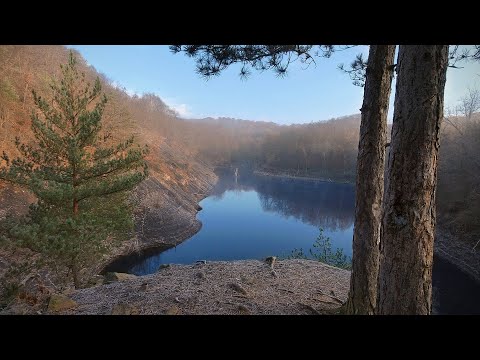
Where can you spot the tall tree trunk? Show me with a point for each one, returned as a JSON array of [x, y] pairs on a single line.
[[75, 274], [75, 207], [369, 183], [408, 226], [25, 91]]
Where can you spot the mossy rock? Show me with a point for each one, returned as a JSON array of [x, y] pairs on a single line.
[[59, 302]]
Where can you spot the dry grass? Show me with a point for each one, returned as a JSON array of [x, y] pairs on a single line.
[[239, 287]]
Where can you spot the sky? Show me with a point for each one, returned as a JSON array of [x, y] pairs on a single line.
[[315, 93]]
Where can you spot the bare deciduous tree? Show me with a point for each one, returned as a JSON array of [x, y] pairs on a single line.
[[470, 103]]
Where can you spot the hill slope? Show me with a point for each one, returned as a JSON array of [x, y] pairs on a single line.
[[166, 203]]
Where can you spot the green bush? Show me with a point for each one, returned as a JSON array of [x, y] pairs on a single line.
[[322, 251]]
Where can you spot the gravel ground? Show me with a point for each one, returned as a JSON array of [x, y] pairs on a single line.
[[238, 287]]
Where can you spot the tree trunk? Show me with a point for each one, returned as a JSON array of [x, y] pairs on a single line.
[[25, 95], [76, 280], [75, 207], [75, 274], [408, 225], [369, 183]]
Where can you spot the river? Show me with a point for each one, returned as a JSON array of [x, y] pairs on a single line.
[[252, 217]]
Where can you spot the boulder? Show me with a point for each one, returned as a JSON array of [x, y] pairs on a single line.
[[96, 280], [238, 288], [124, 309], [173, 310], [243, 310], [116, 276], [143, 287], [33, 291], [59, 302], [200, 275]]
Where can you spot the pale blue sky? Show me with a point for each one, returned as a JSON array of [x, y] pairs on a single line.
[[317, 93]]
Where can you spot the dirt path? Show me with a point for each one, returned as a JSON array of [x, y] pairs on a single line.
[[239, 287]]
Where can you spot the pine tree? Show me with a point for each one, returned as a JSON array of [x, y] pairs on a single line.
[[80, 182]]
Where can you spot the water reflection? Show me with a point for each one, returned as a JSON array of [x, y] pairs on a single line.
[[251, 217], [322, 204]]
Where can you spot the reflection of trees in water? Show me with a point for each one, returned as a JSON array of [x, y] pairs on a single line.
[[320, 204], [327, 205], [228, 182]]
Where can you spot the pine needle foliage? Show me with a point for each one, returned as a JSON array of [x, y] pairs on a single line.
[[80, 180]]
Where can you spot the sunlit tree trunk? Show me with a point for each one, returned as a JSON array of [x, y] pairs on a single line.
[[408, 226], [369, 182]]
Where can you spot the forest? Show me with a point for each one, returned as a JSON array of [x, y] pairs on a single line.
[[181, 149]]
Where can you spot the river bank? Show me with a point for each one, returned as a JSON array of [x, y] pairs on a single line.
[[457, 252], [164, 218], [296, 177]]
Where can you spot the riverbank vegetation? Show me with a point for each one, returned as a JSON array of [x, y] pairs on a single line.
[[321, 250]]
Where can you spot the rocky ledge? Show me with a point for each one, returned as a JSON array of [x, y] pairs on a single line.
[[238, 287]]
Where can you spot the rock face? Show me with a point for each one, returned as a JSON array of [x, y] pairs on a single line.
[[60, 302], [115, 276]]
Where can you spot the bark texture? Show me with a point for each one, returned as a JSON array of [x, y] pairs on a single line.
[[369, 181], [408, 224]]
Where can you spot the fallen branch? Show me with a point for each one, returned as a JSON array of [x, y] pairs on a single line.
[[227, 303], [238, 288], [290, 291], [478, 242], [311, 308], [330, 296], [241, 296], [323, 301]]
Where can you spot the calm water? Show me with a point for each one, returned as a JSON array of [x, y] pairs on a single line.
[[253, 217]]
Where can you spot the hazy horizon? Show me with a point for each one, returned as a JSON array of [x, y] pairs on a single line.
[[317, 93]]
